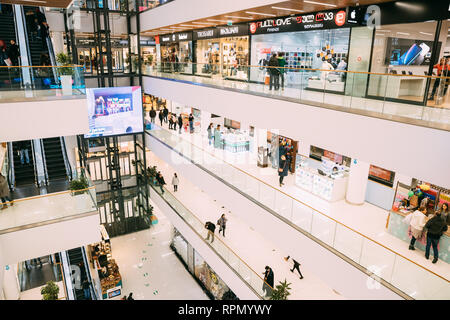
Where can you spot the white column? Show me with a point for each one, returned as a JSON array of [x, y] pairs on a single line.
[[260, 139], [205, 120], [58, 41], [10, 283], [304, 148], [357, 182]]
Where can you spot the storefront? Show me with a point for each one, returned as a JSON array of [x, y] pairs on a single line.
[[148, 54], [310, 41], [176, 52], [106, 275], [222, 51], [235, 139], [279, 145], [407, 199], [199, 268]]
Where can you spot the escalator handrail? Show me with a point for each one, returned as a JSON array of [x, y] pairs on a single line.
[[88, 274], [66, 158], [36, 179], [51, 52], [11, 173], [65, 262], [44, 161], [25, 35]]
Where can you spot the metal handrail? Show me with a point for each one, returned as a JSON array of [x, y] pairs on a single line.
[[44, 161], [66, 158], [36, 179]]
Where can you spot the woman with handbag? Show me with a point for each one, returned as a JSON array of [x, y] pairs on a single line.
[[283, 169]]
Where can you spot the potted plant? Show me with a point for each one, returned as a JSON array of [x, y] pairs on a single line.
[[66, 72], [78, 184], [281, 292], [50, 291], [151, 174]]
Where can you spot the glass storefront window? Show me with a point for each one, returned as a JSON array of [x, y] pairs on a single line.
[[208, 57], [318, 49], [234, 53]]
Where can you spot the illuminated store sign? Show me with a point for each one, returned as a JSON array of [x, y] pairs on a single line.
[[183, 36], [319, 20]]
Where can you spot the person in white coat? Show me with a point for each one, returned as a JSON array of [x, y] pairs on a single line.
[[418, 221], [175, 182]]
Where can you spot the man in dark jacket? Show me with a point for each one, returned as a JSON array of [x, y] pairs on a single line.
[[436, 227], [160, 180], [283, 169], [180, 123], [23, 152], [273, 72], [295, 267], [13, 53], [152, 115], [161, 116], [281, 63], [211, 228], [166, 113], [268, 281]]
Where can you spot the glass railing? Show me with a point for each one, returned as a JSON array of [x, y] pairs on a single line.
[[144, 5], [402, 96], [374, 258], [250, 276], [41, 82], [44, 209]]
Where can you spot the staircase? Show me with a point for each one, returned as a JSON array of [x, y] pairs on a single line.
[[24, 174], [54, 159], [8, 33], [75, 258]]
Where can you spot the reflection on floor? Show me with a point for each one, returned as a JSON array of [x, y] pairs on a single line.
[[38, 272], [256, 250], [32, 190], [441, 115], [367, 219], [149, 267]]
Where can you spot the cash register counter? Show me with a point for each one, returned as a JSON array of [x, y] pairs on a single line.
[[236, 142], [329, 188], [399, 229]]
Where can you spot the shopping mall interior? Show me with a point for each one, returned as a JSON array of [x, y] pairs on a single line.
[[184, 150]]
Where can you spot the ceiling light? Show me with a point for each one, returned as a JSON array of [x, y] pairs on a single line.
[[406, 34], [187, 25], [428, 34], [261, 14], [236, 17], [383, 30], [287, 9], [176, 27], [216, 20], [321, 3], [201, 23]]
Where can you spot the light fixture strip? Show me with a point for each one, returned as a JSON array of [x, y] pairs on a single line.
[[320, 3]]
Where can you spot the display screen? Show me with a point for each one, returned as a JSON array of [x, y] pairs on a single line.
[[408, 52], [114, 111]]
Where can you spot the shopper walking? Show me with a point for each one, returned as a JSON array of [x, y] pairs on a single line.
[[86, 289], [130, 296], [282, 70], [273, 72], [211, 228], [161, 181], [436, 227], [175, 182], [418, 221], [23, 151], [161, 117], [441, 66], [210, 133], [191, 123], [166, 113], [5, 195], [283, 169], [180, 123], [170, 122], [222, 222], [152, 115], [175, 120], [268, 281], [295, 267], [217, 137]]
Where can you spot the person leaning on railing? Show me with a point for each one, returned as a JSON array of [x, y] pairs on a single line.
[[436, 228], [4, 192], [441, 67]]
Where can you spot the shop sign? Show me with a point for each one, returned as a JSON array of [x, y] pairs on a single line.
[[205, 34], [320, 20], [237, 30], [183, 36]]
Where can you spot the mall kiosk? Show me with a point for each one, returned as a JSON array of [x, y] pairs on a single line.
[[106, 275], [407, 199]]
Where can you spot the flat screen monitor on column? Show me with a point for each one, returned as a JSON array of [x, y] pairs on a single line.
[[114, 111]]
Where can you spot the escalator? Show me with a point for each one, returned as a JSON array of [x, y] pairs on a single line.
[[7, 33], [54, 159], [24, 174], [36, 45], [75, 257]]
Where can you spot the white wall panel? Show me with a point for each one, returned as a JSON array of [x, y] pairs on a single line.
[[186, 10], [387, 144], [346, 279], [43, 119]]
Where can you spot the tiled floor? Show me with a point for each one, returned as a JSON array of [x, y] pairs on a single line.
[[149, 267]]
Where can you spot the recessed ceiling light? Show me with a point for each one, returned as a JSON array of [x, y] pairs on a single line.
[[236, 17], [187, 25], [287, 9], [216, 20], [428, 34], [261, 14], [201, 23], [406, 34], [176, 27], [383, 30], [321, 3]]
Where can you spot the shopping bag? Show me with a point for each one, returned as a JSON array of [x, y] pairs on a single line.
[[407, 219], [267, 80], [8, 62]]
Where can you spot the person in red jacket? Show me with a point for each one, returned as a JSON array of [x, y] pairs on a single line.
[[441, 66]]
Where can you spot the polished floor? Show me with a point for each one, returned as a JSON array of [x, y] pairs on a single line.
[[367, 219], [256, 250], [149, 267]]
